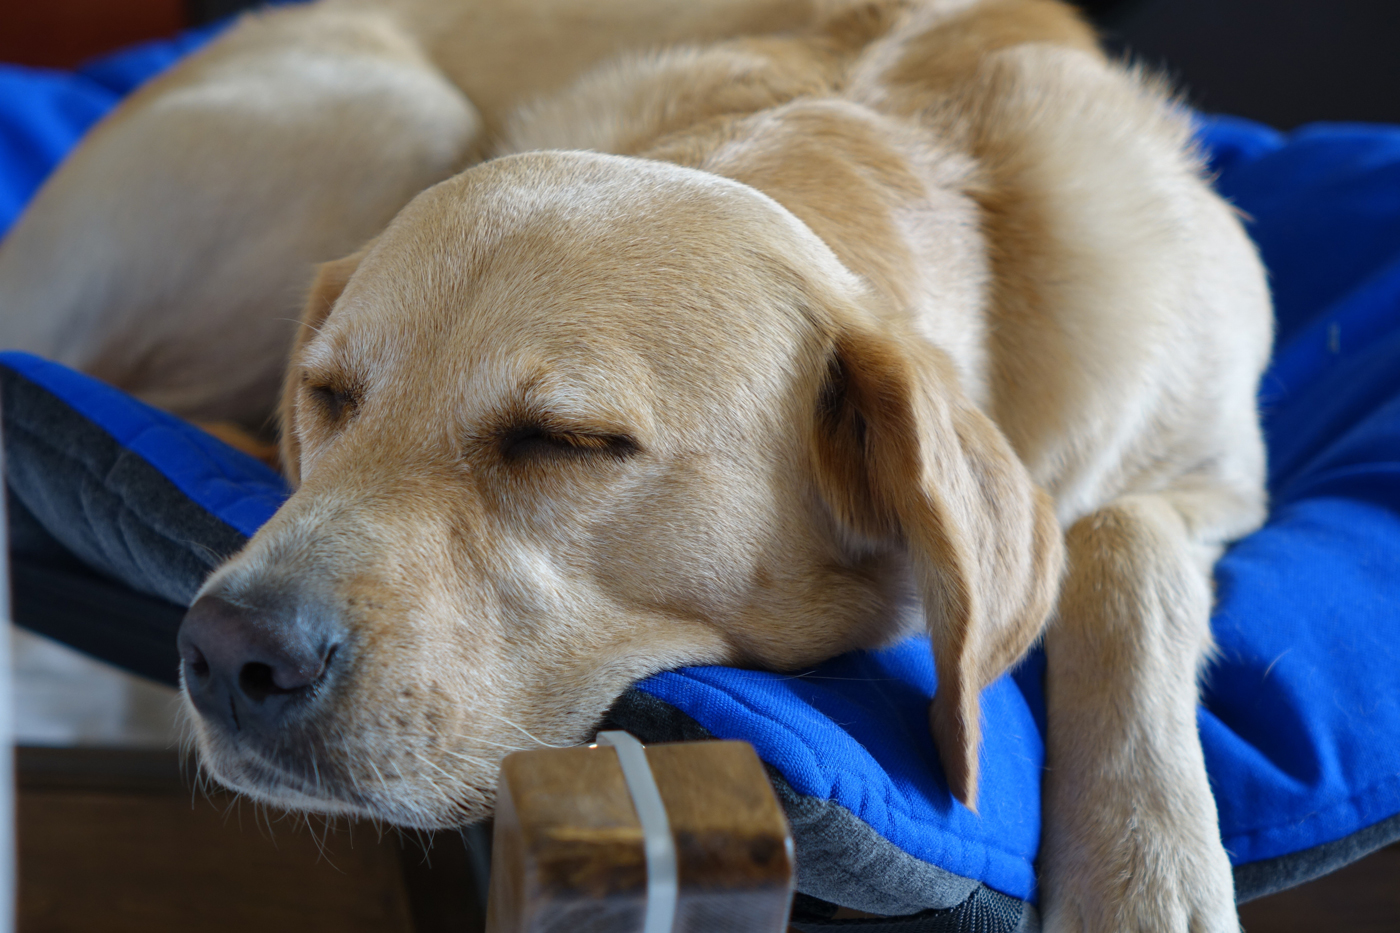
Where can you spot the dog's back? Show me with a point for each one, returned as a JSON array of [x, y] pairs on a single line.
[[1037, 211]]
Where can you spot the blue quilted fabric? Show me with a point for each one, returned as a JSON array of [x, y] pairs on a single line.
[[240, 490], [1301, 711]]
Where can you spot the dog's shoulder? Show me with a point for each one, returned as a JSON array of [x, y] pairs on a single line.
[[693, 92], [680, 102]]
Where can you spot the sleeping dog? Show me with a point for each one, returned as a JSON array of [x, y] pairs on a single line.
[[916, 315]]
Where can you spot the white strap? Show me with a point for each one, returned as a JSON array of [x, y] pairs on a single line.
[[662, 877]]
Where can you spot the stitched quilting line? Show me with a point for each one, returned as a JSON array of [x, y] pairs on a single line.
[[213, 488]]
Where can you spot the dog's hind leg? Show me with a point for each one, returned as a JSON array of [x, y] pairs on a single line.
[[1131, 842], [171, 252]]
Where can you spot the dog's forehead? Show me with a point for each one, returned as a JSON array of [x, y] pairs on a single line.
[[599, 193], [583, 268], [574, 223]]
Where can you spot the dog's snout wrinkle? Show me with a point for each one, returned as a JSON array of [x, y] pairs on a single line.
[[249, 670]]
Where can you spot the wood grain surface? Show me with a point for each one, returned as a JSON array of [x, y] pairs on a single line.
[[116, 842], [112, 841], [569, 855]]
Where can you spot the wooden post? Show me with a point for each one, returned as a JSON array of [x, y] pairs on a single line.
[[568, 853]]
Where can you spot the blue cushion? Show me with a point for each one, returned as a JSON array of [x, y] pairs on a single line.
[[1301, 712]]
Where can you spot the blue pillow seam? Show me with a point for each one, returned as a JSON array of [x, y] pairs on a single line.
[[1319, 813]]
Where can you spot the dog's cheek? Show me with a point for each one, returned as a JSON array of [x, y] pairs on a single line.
[[475, 644], [692, 543]]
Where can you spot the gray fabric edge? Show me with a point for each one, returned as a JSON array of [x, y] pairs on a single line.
[[982, 912], [1269, 876], [846, 862], [106, 505], [890, 881]]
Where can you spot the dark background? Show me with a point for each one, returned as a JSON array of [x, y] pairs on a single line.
[[1283, 62]]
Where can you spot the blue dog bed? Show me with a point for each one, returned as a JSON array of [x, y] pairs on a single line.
[[117, 511]]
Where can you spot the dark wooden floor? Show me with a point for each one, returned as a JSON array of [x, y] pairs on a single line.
[[115, 842], [1364, 897]]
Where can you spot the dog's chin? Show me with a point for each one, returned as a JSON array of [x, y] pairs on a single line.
[[290, 783]]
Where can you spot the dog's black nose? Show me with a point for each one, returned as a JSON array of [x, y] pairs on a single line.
[[251, 670]]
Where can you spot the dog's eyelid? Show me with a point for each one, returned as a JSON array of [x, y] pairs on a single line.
[[521, 441], [336, 401]]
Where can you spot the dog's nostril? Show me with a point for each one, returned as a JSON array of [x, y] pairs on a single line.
[[199, 665], [258, 681]]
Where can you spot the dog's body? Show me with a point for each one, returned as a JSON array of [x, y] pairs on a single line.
[[824, 320], [169, 254]]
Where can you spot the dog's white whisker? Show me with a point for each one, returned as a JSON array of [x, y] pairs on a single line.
[[302, 323], [452, 779], [523, 731], [463, 756], [380, 776]]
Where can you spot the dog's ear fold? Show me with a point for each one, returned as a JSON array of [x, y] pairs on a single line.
[[331, 279], [903, 455]]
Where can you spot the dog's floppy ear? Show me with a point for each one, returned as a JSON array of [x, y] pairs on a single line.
[[903, 455], [331, 279]]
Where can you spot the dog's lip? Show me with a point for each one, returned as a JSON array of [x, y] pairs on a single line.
[[272, 783], [269, 772]]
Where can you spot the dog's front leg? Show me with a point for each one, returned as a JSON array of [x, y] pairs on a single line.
[[1131, 842]]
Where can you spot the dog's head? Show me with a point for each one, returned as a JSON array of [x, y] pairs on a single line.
[[571, 420]]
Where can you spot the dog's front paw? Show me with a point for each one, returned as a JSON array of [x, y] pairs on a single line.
[[1120, 857]]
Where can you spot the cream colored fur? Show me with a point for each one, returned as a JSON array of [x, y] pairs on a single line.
[[918, 316], [169, 254]]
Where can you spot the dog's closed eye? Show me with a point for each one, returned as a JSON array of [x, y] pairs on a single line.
[[336, 403], [534, 441]]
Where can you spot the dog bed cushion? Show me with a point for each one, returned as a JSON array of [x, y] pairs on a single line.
[[117, 512]]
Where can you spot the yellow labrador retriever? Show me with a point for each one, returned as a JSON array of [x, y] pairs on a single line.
[[753, 352]]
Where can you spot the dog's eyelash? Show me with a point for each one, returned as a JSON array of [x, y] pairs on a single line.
[[336, 403], [534, 441]]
